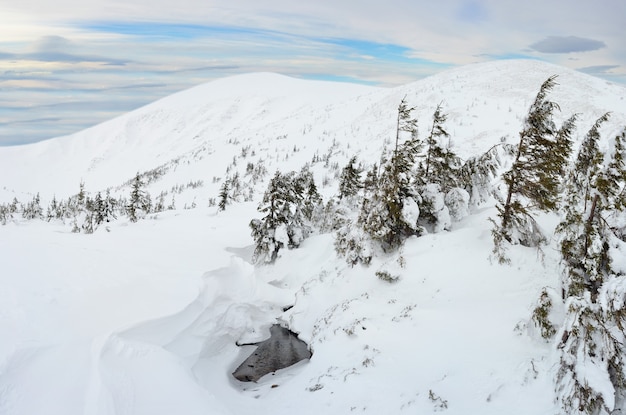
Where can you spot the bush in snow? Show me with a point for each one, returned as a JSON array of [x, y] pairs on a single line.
[[5, 214], [541, 315], [387, 277], [352, 243], [435, 213]]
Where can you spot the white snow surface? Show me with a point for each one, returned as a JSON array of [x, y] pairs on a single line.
[[142, 318]]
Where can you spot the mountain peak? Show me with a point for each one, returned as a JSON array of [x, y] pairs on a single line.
[[485, 102]]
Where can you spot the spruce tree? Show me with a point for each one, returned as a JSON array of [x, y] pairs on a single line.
[[311, 201], [288, 205], [89, 225], [592, 336], [53, 209], [350, 180], [371, 179], [389, 214], [615, 175], [221, 206], [579, 226], [33, 209], [110, 204], [5, 214], [442, 164], [159, 205], [98, 209], [534, 179], [139, 204], [13, 206], [81, 195], [478, 172], [439, 174]]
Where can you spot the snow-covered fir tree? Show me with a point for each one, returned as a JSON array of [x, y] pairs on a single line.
[[350, 180], [389, 214], [311, 207], [98, 209], [53, 209], [288, 205], [591, 377], [33, 209], [224, 197], [109, 208], [478, 172], [139, 203], [533, 181], [442, 164], [439, 174]]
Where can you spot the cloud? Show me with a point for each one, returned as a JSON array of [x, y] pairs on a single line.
[[598, 69], [69, 58], [52, 43], [61, 50], [473, 12], [136, 51], [31, 121], [566, 44]]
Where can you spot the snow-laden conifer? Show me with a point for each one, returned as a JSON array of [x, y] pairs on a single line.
[[533, 181], [442, 164], [478, 172], [289, 205], [224, 197], [139, 203], [592, 371], [350, 180], [383, 215]]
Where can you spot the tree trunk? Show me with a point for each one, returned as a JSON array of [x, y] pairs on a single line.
[[509, 196], [590, 220]]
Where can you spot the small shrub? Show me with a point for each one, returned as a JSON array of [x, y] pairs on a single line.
[[387, 277], [541, 316]]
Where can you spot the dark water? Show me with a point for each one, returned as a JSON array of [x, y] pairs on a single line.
[[281, 350]]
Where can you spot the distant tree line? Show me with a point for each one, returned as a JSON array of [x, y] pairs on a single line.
[[86, 212]]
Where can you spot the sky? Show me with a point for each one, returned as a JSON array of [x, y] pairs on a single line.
[[66, 65]]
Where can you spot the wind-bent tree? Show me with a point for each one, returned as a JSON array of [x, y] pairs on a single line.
[[534, 179], [442, 164]]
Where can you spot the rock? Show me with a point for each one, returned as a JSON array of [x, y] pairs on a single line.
[[281, 350]]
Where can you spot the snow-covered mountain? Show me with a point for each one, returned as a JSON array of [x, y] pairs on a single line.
[[206, 126], [143, 318]]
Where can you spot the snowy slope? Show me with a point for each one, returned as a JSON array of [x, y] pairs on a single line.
[[201, 120], [143, 318], [207, 126]]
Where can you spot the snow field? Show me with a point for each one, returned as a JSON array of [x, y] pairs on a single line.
[[143, 334]]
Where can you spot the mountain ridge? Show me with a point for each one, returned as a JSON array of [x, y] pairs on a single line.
[[484, 102]]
